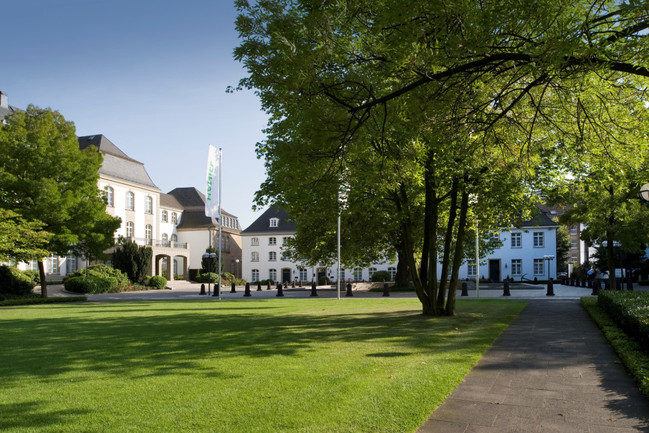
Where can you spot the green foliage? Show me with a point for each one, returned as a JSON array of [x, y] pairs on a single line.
[[35, 276], [630, 310], [36, 300], [323, 281], [15, 282], [91, 284], [21, 240], [210, 265], [157, 281], [103, 271], [563, 248], [380, 276], [635, 359], [132, 259]]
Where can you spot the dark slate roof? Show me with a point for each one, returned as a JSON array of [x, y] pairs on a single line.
[[192, 202], [167, 200], [540, 219], [262, 224], [5, 111], [116, 163]]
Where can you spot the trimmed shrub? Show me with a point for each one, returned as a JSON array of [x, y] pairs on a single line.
[[157, 281], [14, 282], [630, 310], [207, 277], [103, 271], [35, 276], [323, 281], [132, 259], [90, 284], [380, 276], [194, 274]]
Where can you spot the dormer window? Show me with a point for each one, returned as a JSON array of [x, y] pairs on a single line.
[[274, 222]]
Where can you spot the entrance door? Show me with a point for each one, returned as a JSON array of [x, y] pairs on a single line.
[[494, 270], [286, 275], [322, 272]]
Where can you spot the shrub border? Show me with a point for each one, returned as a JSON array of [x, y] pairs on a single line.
[[38, 301], [633, 357]]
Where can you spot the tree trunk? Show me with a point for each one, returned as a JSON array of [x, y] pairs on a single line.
[[610, 259], [402, 279], [457, 256], [448, 242], [41, 271]]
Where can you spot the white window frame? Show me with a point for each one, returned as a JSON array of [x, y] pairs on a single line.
[[274, 222], [148, 234], [110, 196], [130, 229], [516, 240], [272, 256], [539, 267], [255, 275], [272, 240], [393, 273], [272, 274], [164, 216], [471, 268], [517, 265], [304, 274], [148, 205], [358, 274], [174, 218], [254, 256], [539, 239], [130, 200], [254, 242]]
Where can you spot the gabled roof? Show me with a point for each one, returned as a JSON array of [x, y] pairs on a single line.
[[116, 163], [262, 224], [167, 200], [5, 111], [192, 201]]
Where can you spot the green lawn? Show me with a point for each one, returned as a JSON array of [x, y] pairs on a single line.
[[312, 365]]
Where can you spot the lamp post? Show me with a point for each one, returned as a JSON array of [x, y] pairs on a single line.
[[209, 257], [548, 258], [236, 268]]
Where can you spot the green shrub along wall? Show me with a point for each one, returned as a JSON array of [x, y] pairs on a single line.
[[14, 282]]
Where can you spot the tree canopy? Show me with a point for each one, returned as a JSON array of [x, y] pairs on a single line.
[[45, 177], [433, 114]]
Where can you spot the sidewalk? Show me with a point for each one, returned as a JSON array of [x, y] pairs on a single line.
[[551, 370]]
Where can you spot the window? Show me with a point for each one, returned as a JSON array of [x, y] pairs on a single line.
[[53, 265], [272, 241], [148, 205], [130, 201], [71, 262], [274, 222], [393, 272], [284, 256], [539, 240], [574, 245], [272, 274], [372, 270], [110, 196], [148, 234], [574, 230], [358, 274], [272, 256], [165, 240], [342, 274], [304, 275], [516, 240], [255, 275], [471, 271], [539, 268], [174, 218], [165, 216], [129, 229], [254, 256], [174, 238], [254, 241], [284, 240], [517, 266]]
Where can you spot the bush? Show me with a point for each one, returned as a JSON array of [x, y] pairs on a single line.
[[14, 282], [210, 276], [90, 284], [630, 310], [380, 276], [323, 281], [102, 271], [194, 274], [35, 276], [157, 281], [134, 260]]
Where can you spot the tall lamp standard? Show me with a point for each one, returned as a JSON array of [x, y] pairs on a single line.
[[236, 268], [209, 258], [549, 258]]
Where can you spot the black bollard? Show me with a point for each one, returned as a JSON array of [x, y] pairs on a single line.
[[550, 288], [386, 289], [465, 289], [233, 288], [596, 288], [293, 283], [258, 286], [506, 288], [268, 285], [280, 292], [349, 290], [217, 290], [314, 292], [202, 289], [247, 292]]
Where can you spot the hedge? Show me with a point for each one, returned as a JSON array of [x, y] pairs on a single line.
[[158, 282], [90, 284], [14, 282], [630, 310]]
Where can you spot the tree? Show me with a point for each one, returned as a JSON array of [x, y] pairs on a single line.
[[563, 248], [132, 259], [430, 106], [45, 177], [21, 240]]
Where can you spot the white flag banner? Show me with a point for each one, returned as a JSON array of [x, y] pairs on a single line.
[[212, 187]]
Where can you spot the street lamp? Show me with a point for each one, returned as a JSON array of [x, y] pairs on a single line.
[[236, 268], [209, 257], [548, 258]]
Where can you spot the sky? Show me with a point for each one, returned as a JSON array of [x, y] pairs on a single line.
[[151, 76]]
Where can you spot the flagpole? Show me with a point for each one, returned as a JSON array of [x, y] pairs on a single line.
[[220, 221]]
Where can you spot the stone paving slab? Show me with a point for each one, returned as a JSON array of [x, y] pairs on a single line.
[[550, 371]]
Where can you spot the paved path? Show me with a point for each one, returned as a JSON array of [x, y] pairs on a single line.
[[550, 371]]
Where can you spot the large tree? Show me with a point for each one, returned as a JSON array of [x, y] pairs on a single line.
[[21, 240], [453, 103], [45, 177]]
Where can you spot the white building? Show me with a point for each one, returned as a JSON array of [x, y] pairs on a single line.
[[262, 258], [523, 255]]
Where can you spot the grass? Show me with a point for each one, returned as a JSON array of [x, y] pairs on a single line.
[[358, 365], [634, 358]]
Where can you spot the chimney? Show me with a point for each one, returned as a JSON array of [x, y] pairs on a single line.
[[3, 100]]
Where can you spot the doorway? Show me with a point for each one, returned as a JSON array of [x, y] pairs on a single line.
[[286, 275], [494, 270]]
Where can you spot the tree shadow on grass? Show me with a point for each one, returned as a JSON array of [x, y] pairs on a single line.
[[32, 414], [141, 340]]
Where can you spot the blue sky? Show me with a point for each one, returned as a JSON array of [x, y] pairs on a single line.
[[149, 75]]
